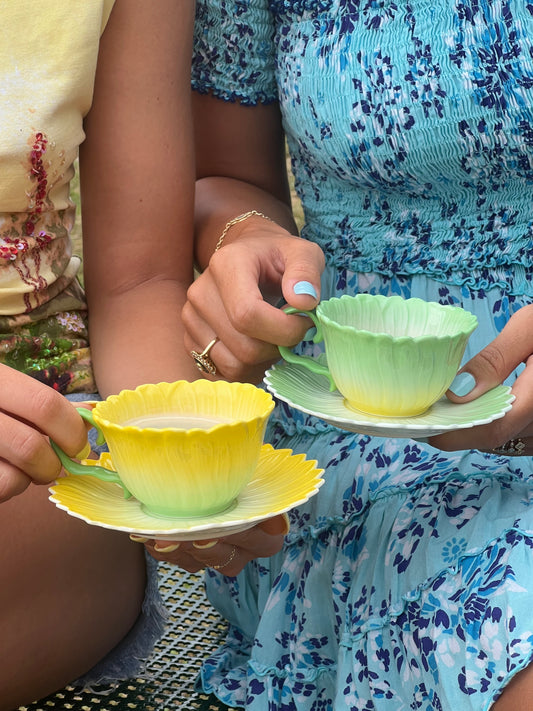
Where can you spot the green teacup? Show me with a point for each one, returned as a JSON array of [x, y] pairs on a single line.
[[388, 355]]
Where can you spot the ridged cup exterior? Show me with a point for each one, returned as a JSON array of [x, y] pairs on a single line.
[[186, 472], [392, 356]]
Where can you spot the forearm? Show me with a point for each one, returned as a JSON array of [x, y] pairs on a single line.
[[137, 337], [219, 200], [137, 183]]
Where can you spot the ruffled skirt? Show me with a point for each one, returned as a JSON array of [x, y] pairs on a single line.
[[405, 583]]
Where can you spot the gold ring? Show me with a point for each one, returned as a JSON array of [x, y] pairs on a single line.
[[203, 361], [228, 561], [512, 448]]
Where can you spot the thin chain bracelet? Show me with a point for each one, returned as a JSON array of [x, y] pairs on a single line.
[[239, 218]]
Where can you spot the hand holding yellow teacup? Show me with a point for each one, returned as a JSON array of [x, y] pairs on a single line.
[[182, 449]]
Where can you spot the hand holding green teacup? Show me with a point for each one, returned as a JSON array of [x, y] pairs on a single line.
[[182, 449], [387, 355]]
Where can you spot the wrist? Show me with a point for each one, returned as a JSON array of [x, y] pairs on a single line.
[[236, 225]]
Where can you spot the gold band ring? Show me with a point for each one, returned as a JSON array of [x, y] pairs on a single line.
[[203, 361], [228, 561], [512, 448]]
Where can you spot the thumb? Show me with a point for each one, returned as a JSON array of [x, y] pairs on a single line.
[[304, 264], [495, 362], [277, 525]]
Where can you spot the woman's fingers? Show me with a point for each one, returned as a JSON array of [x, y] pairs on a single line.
[[249, 275], [302, 275], [235, 355], [42, 408], [517, 447], [26, 449], [228, 555], [30, 413], [520, 418], [228, 558], [516, 423], [276, 525], [489, 368], [237, 299], [493, 364], [13, 481], [174, 554]]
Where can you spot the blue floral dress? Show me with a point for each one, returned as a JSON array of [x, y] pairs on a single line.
[[406, 583]]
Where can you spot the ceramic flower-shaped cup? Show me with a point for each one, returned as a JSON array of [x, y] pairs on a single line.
[[388, 355], [183, 448]]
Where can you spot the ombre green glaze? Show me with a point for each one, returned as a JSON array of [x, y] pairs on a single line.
[[387, 355]]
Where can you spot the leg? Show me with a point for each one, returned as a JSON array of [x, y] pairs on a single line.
[[69, 592], [518, 694]]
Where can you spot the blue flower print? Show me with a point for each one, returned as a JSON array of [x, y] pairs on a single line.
[[453, 549]]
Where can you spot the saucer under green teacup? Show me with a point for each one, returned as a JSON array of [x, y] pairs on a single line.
[[183, 448], [388, 355]]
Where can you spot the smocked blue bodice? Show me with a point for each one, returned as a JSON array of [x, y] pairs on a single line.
[[410, 126]]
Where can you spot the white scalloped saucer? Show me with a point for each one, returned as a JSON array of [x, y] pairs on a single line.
[[282, 480], [309, 392]]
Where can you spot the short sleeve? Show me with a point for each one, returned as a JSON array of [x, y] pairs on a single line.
[[234, 54], [106, 11]]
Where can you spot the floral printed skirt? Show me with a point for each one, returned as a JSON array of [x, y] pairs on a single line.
[[405, 583], [51, 343]]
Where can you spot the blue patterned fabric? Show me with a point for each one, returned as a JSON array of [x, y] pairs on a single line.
[[406, 582]]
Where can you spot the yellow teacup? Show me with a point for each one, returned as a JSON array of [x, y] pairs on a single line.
[[181, 449]]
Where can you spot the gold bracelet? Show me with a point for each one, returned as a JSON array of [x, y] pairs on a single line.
[[239, 218]]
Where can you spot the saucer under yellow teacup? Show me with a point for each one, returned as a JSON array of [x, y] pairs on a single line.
[[183, 448], [388, 355]]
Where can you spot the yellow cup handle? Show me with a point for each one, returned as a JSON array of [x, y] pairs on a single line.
[[89, 469], [308, 362]]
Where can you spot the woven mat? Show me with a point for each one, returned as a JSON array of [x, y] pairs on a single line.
[[193, 631]]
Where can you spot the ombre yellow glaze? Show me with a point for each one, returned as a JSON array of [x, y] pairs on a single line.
[[194, 472], [281, 481]]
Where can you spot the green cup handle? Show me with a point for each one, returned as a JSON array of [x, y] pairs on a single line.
[[89, 469], [310, 363]]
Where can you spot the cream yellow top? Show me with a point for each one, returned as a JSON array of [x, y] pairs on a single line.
[[48, 54]]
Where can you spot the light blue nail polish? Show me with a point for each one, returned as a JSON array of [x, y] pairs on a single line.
[[305, 287], [463, 384]]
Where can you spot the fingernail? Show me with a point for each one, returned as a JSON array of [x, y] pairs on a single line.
[[204, 545], [138, 539], [84, 452], [305, 287], [463, 384], [166, 549]]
